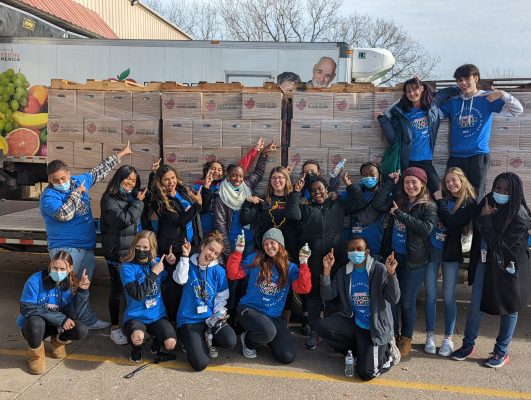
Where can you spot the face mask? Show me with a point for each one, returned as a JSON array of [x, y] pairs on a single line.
[[500, 198], [122, 190], [142, 255], [356, 257], [62, 186], [369, 181], [58, 276]]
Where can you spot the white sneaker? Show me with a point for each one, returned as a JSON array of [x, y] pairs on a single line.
[[118, 337], [447, 347], [99, 324], [395, 353], [247, 352], [429, 347]]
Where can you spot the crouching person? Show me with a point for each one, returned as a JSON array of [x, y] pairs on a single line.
[[142, 273], [201, 319], [366, 290], [51, 303]]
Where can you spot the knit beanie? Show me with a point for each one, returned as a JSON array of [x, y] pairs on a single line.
[[274, 234], [418, 173]]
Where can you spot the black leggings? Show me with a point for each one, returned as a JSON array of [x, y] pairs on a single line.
[[115, 295], [161, 329], [171, 293], [193, 338], [262, 330], [342, 334], [36, 329]]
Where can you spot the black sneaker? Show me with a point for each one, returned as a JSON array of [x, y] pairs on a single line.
[[136, 354], [305, 327], [463, 352], [312, 341], [155, 346]]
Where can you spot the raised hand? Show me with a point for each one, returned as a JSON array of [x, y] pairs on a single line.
[[328, 262], [394, 208], [197, 196], [240, 242], [155, 166], [271, 147], [487, 208], [170, 257], [141, 195], [377, 114], [81, 188], [209, 178], [346, 179], [186, 248], [159, 267], [291, 167], [304, 254], [395, 176], [391, 263], [126, 151], [299, 185], [84, 282], [260, 145]]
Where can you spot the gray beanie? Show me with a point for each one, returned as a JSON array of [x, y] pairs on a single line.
[[274, 234]]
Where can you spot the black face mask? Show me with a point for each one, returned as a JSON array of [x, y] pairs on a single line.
[[142, 255]]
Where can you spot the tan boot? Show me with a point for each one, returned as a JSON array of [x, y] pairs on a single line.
[[58, 347], [37, 360], [404, 345]]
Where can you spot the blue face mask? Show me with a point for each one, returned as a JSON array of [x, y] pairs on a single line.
[[62, 186], [500, 198], [356, 257], [369, 181], [58, 276]]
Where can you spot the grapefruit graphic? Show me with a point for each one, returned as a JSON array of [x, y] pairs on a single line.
[[3, 146], [23, 142]]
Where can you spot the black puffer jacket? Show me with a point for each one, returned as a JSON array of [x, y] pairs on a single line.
[[419, 221], [119, 224]]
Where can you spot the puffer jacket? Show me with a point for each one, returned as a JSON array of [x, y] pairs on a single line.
[[119, 224]]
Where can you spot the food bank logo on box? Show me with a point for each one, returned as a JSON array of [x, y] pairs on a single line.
[[9, 55]]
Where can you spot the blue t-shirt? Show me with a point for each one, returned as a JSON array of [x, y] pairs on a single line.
[[372, 233], [213, 279], [266, 298], [150, 308], [470, 124], [189, 226], [420, 144], [79, 232], [399, 237], [360, 298], [34, 292]]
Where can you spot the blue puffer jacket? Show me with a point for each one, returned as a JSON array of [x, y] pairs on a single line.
[[395, 124]]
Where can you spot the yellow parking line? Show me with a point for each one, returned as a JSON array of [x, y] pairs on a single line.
[[283, 373]]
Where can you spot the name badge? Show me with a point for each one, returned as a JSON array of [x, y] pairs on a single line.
[[483, 255], [150, 303], [202, 309]]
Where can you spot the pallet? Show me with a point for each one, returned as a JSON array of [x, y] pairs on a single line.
[[93, 84]]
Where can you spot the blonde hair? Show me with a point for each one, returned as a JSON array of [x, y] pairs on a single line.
[[287, 189], [215, 236], [467, 191], [152, 239]]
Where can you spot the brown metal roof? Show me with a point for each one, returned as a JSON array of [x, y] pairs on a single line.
[[75, 14]]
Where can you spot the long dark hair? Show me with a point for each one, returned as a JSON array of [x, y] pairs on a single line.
[[425, 100], [516, 198], [208, 164], [121, 173], [159, 193]]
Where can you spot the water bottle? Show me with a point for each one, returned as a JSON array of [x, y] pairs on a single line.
[[349, 365], [240, 240], [214, 318], [511, 268], [337, 169]]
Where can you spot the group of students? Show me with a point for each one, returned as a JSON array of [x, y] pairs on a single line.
[[201, 263]]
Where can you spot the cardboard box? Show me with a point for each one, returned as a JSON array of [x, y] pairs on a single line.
[[118, 105], [143, 175], [206, 132], [87, 155], [222, 105], [305, 133], [113, 148], [518, 162], [335, 133], [383, 100], [146, 105], [90, 103], [366, 133], [525, 100], [177, 132], [102, 130], [353, 105], [65, 129], [299, 155], [313, 105], [225, 155], [61, 103], [235, 133], [273, 160], [61, 151], [179, 105], [376, 153], [262, 105], [524, 142], [267, 129], [95, 193], [141, 131], [184, 159], [144, 155]]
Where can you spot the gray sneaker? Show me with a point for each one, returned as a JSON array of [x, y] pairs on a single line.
[[247, 352], [99, 324], [395, 353]]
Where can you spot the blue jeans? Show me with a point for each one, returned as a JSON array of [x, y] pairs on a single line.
[[473, 319], [410, 281], [450, 272], [83, 259]]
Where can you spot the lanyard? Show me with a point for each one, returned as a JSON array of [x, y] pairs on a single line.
[[202, 294]]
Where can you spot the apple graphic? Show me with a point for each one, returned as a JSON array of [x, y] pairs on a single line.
[[341, 105], [301, 104], [91, 128], [171, 158], [336, 158], [296, 158], [210, 158], [129, 130], [211, 105], [250, 103], [382, 104], [169, 104], [516, 162], [54, 127]]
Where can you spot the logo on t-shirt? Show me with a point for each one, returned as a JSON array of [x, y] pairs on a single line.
[[471, 123], [361, 299], [399, 226], [421, 124], [268, 288]]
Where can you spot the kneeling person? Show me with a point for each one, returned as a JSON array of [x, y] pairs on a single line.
[[366, 290]]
